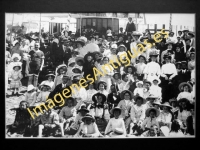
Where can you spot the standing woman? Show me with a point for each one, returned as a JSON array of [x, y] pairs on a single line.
[[107, 70], [168, 77], [140, 67], [125, 104], [152, 69]]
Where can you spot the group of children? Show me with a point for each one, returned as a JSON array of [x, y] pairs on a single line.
[[153, 95]]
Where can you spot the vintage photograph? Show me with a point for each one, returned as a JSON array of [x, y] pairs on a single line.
[[100, 75]]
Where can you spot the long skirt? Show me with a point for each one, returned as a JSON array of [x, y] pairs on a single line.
[[140, 77]]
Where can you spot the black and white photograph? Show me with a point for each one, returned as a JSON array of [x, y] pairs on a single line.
[[100, 75]]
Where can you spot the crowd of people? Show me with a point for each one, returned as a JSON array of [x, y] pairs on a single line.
[[149, 95]]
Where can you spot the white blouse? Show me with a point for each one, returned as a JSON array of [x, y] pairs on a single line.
[[140, 67], [115, 123], [186, 95], [168, 69], [152, 68]]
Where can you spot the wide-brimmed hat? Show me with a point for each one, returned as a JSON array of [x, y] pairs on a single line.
[[113, 46], [152, 96], [139, 97], [184, 100], [191, 34], [152, 108], [184, 83], [156, 102], [65, 40], [148, 82], [115, 108], [139, 82], [95, 96], [118, 74], [61, 66], [104, 83], [166, 104], [136, 33], [50, 74], [76, 68], [156, 78], [142, 56], [130, 66], [81, 41], [83, 108], [30, 87], [153, 53], [44, 85], [167, 56], [122, 94], [78, 59], [88, 116], [74, 102], [122, 46], [17, 65], [15, 55], [71, 61]]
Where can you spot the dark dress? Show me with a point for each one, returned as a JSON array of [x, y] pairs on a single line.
[[111, 100]]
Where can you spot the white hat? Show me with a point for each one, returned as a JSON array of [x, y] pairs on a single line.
[[114, 46], [16, 55], [30, 87], [15, 42], [140, 82]]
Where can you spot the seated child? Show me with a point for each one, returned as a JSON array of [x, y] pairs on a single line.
[[155, 89], [22, 120], [115, 122], [74, 126], [139, 90], [68, 113], [49, 82], [88, 127], [150, 121], [30, 96]]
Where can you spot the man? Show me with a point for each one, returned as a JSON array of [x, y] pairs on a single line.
[[66, 82], [130, 27], [46, 49], [63, 52], [35, 65], [121, 32], [16, 49]]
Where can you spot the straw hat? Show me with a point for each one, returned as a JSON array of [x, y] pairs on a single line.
[[122, 94], [157, 102], [44, 85], [71, 61], [156, 78], [139, 97], [79, 70], [78, 59], [152, 108], [104, 83], [166, 104], [61, 66], [153, 53], [15, 55], [152, 96], [83, 108], [132, 67], [82, 40], [30, 87], [148, 82], [115, 108], [185, 83], [17, 65], [50, 74], [122, 46], [88, 116], [139, 82]]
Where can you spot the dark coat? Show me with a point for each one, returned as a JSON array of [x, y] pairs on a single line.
[[63, 56], [111, 100], [130, 27]]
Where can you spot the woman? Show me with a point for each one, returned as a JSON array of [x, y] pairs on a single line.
[[90, 92], [152, 69], [140, 67], [190, 122], [191, 63], [125, 104], [49, 80], [81, 41], [173, 102], [185, 92], [175, 130], [168, 78], [107, 70], [101, 88]]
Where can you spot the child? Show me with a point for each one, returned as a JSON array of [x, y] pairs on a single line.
[[49, 82], [101, 87], [22, 120], [125, 84], [140, 67], [68, 113], [186, 89], [30, 96], [115, 122], [73, 128], [43, 95], [150, 121], [156, 104], [90, 92], [175, 108], [137, 115], [150, 99], [165, 118], [139, 90], [99, 100], [113, 55], [16, 76], [88, 127], [121, 51], [61, 70], [155, 89], [116, 78], [130, 70]]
